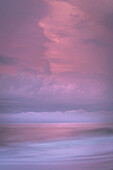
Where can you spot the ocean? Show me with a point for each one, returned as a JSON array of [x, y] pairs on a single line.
[[73, 146]]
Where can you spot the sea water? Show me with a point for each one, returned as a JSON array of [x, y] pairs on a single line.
[[55, 143]]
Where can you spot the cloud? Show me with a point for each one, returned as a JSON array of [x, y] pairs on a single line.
[[47, 69], [25, 92], [5, 60], [70, 116], [59, 27], [108, 21], [93, 41], [100, 11], [66, 28]]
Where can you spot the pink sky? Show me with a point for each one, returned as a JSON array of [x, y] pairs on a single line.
[[56, 56]]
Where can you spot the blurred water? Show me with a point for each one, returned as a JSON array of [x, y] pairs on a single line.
[[55, 143]]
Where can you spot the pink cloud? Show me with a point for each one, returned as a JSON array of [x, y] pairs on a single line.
[[66, 26]]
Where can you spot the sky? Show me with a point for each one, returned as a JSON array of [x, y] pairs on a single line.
[[56, 61]]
